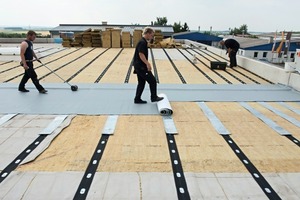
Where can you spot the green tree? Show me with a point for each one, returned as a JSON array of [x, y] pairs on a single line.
[[185, 27], [177, 27], [162, 21], [12, 35], [238, 31], [244, 28]]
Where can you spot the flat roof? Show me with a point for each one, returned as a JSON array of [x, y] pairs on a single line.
[[237, 133]]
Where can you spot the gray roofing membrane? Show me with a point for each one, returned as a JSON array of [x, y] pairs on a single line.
[[102, 99]]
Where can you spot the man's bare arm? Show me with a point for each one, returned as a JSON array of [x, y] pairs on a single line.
[[23, 48]]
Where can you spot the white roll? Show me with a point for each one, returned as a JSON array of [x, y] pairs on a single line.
[[163, 106]]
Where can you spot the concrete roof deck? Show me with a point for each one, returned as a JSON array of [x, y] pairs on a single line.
[[136, 162]]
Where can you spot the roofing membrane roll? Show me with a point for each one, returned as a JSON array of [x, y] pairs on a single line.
[[164, 107]]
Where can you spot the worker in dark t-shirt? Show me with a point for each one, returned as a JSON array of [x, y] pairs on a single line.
[[27, 54], [142, 68], [232, 47]]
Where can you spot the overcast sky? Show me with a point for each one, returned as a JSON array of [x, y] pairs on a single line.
[[259, 15]]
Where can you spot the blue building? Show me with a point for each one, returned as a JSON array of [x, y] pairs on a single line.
[[210, 40], [261, 49]]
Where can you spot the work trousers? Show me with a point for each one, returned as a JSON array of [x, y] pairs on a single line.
[[30, 74], [143, 76], [232, 58]]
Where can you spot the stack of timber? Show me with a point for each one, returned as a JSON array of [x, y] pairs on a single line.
[[158, 37], [96, 38], [67, 38], [87, 38], [126, 40], [106, 39], [67, 42], [137, 35], [78, 40], [115, 38]]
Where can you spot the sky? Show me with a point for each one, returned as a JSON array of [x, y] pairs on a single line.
[[258, 15]]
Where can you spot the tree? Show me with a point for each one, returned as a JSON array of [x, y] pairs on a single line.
[[185, 27], [162, 21], [244, 28], [177, 27], [239, 31]]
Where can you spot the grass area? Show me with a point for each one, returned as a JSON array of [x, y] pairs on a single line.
[[41, 32]]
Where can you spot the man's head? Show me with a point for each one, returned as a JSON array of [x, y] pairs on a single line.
[[148, 33], [31, 35]]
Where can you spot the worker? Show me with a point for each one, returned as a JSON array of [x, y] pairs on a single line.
[[27, 54], [232, 47], [142, 68]]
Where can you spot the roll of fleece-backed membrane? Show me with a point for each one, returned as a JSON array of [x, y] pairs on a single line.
[[164, 107]]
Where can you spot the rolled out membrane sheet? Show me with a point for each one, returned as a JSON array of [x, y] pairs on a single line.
[[164, 107], [110, 99]]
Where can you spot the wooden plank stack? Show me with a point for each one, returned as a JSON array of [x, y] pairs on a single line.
[[87, 38], [78, 40], [112, 38], [137, 35], [126, 40], [115, 38], [158, 37], [106, 39], [67, 42], [96, 38]]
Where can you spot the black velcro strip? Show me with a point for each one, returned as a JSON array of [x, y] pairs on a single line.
[[87, 179], [108, 66], [181, 186], [202, 72], [15, 163], [85, 66], [260, 180], [293, 139], [175, 68], [129, 72], [55, 70]]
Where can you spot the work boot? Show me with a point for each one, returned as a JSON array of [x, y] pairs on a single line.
[[139, 101], [156, 99], [23, 90], [43, 91]]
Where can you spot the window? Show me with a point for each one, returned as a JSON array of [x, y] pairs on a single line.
[[265, 54], [255, 54]]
